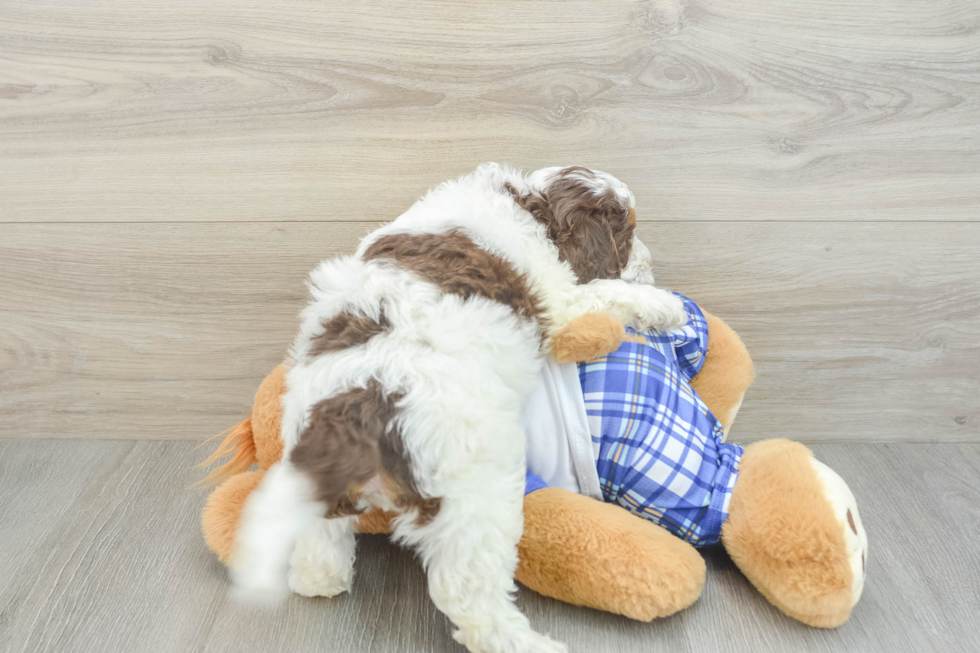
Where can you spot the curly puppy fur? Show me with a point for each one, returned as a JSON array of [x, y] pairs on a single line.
[[443, 317]]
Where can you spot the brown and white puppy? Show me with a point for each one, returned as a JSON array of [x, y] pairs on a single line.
[[407, 385]]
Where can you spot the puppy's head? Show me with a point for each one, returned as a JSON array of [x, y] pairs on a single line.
[[589, 216]]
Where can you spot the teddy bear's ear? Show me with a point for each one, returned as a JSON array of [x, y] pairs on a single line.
[[587, 338]]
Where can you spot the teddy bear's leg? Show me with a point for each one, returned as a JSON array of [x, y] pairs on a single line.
[[794, 531], [595, 554], [726, 374], [219, 520]]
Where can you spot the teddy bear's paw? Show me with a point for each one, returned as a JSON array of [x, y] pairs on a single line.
[[845, 510], [587, 338]]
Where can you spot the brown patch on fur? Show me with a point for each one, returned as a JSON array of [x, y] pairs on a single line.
[[631, 216], [339, 447], [593, 233], [407, 498], [782, 533], [346, 330], [345, 507], [351, 438], [587, 338], [850, 521], [457, 265], [427, 509]]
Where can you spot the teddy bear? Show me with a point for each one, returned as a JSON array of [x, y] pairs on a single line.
[[789, 522]]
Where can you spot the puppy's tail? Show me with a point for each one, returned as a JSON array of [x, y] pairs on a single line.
[[240, 445]]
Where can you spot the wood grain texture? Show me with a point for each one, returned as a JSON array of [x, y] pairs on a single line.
[[859, 331], [709, 109], [102, 552], [170, 172]]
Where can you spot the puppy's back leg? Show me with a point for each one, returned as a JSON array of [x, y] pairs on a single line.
[[322, 563], [275, 514], [469, 549], [337, 450]]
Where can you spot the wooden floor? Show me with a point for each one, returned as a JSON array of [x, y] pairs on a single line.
[[101, 551]]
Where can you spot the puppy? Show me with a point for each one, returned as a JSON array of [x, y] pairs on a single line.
[[408, 380]]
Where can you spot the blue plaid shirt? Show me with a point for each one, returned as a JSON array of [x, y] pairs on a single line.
[[658, 449]]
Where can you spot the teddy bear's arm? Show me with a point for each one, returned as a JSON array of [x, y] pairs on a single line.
[[725, 376], [587, 338], [727, 371]]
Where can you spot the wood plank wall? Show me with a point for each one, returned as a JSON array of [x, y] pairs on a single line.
[[169, 172]]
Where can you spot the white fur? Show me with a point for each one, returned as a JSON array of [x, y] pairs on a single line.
[[639, 269], [322, 563], [640, 306], [275, 514], [462, 369]]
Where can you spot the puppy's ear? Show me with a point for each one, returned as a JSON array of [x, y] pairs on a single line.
[[592, 228]]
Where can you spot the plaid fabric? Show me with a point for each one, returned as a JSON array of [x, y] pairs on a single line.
[[658, 448]]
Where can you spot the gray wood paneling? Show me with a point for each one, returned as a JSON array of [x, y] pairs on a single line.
[[711, 110], [102, 552], [860, 331]]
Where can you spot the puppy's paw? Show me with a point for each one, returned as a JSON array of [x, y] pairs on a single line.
[[661, 310], [587, 338], [320, 565], [319, 581]]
